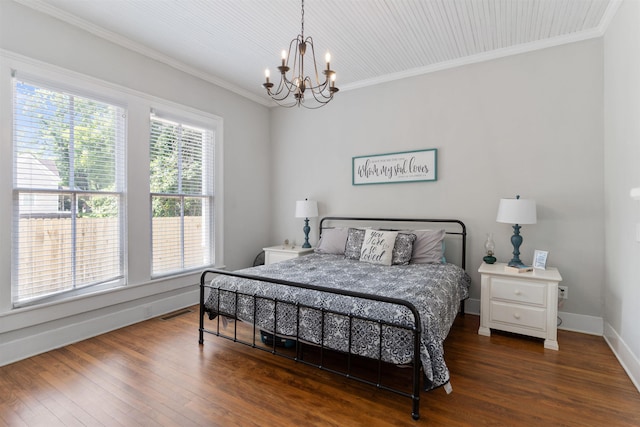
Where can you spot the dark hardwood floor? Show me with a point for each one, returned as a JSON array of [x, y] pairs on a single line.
[[155, 373]]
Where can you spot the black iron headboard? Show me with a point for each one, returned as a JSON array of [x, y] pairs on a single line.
[[461, 229]]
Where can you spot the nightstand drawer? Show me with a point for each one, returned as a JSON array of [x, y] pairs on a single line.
[[527, 317], [279, 253], [519, 291], [273, 257]]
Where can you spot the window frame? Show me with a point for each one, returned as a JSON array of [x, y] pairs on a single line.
[[137, 255], [74, 89], [210, 213]]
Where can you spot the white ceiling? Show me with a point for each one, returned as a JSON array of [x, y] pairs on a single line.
[[231, 42]]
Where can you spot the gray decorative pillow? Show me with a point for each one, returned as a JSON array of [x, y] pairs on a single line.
[[355, 237], [403, 249], [428, 247], [332, 241]]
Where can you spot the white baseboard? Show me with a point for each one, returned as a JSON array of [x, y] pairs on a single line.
[[591, 325], [627, 359], [51, 339], [570, 321]]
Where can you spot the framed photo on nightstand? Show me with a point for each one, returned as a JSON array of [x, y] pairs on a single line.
[[540, 259]]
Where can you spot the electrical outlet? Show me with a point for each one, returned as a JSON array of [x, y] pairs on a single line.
[[563, 292]]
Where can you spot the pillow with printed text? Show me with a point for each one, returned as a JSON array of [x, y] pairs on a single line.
[[377, 246]]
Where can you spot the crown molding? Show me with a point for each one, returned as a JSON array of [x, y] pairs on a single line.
[[609, 13], [46, 8], [607, 17], [481, 57], [42, 6]]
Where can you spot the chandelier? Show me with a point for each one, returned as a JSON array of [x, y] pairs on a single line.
[[293, 87]]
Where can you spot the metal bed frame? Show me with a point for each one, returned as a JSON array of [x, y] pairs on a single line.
[[272, 347]]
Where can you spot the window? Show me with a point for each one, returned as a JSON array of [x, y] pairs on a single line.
[[181, 181], [68, 192]]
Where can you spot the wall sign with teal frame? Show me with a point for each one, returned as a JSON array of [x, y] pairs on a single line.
[[395, 168]]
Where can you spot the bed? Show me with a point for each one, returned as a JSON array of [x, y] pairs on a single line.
[[381, 289]]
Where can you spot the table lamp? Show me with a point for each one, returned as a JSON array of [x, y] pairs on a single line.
[[306, 209], [516, 211]]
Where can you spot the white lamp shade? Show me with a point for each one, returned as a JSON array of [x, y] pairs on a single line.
[[517, 211], [306, 209]]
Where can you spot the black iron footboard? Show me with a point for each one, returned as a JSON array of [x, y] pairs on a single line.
[[415, 329]]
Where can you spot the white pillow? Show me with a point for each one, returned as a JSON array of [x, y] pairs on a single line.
[[377, 247]]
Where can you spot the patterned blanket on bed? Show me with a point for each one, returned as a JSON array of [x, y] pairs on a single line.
[[434, 289]]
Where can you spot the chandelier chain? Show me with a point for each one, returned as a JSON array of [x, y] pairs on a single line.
[[302, 21]]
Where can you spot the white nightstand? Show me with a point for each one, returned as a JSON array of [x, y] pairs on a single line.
[[281, 252], [523, 303]]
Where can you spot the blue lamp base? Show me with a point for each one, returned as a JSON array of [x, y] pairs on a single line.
[[306, 230], [516, 241]]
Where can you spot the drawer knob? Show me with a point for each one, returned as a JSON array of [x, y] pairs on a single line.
[[516, 315], [517, 292]]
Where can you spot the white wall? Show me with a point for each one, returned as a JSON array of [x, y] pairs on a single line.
[[622, 172], [530, 124], [25, 33]]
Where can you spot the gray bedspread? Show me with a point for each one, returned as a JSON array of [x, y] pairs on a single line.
[[434, 289]]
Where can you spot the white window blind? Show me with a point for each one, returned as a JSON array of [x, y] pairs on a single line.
[[68, 186], [181, 181]]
